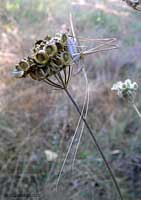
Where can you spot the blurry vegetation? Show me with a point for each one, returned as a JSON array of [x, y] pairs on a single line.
[[34, 118]]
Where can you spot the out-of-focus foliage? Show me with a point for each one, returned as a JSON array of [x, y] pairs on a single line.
[[34, 118]]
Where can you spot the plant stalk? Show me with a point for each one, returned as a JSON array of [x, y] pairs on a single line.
[[96, 143], [136, 109]]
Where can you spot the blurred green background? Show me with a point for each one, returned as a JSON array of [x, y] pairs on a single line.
[[34, 118]]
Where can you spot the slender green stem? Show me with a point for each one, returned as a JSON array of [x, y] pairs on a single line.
[[96, 143], [136, 109]]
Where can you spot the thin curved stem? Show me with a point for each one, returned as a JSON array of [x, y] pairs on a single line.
[[96, 143]]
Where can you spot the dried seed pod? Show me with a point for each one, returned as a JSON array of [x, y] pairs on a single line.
[[47, 38], [24, 64], [58, 60], [38, 42], [38, 74], [66, 58], [62, 59], [50, 49], [62, 36], [133, 3], [59, 44], [33, 75], [41, 57], [37, 46], [31, 62]]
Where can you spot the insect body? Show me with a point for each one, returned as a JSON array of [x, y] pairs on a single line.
[[71, 44]]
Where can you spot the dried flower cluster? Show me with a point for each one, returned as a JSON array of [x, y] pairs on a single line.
[[126, 89], [49, 56], [135, 4]]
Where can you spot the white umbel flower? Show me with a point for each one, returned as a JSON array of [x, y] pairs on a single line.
[[126, 89]]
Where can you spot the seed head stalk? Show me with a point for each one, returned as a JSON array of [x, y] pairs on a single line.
[[95, 142], [136, 109]]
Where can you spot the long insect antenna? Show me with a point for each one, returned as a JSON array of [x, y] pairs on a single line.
[[87, 89], [85, 116], [85, 104], [80, 118], [106, 45], [70, 146]]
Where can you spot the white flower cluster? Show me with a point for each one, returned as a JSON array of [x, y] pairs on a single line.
[[126, 89]]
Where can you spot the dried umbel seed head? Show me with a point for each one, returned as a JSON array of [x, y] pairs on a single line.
[[126, 89], [41, 57], [133, 3], [50, 49], [49, 56]]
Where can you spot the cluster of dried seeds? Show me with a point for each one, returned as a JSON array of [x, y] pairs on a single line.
[[135, 4], [49, 56]]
